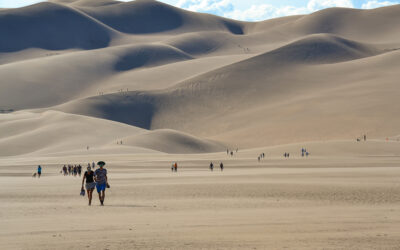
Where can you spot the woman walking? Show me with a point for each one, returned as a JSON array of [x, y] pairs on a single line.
[[90, 184]]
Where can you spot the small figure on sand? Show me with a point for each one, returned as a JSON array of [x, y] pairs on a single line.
[[39, 171], [176, 167], [211, 166], [100, 176], [90, 184], [221, 165]]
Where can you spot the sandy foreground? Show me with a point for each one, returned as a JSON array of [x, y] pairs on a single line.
[[316, 203]]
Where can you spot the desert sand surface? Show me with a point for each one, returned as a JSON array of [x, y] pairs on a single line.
[[143, 84], [333, 201]]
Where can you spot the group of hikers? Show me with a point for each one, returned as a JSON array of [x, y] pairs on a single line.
[[364, 137], [230, 152], [95, 179], [304, 152], [174, 167], [221, 166], [74, 170], [261, 156]]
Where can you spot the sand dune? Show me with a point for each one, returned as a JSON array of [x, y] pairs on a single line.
[[39, 26], [172, 142], [257, 72], [54, 132], [366, 25], [143, 84]]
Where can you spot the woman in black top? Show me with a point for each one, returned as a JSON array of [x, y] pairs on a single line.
[[90, 184]]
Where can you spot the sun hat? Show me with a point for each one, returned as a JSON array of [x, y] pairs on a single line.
[[101, 163]]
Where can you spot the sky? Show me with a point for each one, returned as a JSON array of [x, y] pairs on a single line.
[[250, 10]]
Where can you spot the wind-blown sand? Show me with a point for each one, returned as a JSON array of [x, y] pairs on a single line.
[[77, 77]]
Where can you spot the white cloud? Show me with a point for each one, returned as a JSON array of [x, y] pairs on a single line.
[[265, 11], [258, 12], [217, 7], [376, 4], [314, 5]]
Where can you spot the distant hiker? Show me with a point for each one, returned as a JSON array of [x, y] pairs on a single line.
[[307, 154], [365, 137], [93, 165], [231, 153], [100, 176], [237, 150], [79, 169], [90, 184], [176, 167], [221, 165], [258, 159], [172, 167], [211, 166], [65, 170], [39, 171], [227, 151]]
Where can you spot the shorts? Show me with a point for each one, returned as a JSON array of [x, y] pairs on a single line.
[[101, 187], [90, 185]]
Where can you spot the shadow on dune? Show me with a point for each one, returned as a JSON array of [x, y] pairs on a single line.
[[133, 108], [50, 26], [138, 17], [149, 55]]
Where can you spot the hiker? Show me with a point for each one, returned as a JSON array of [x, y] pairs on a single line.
[[221, 165], [231, 153], [65, 170], [258, 159], [90, 184], [365, 137], [39, 171], [93, 165], [172, 167], [211, 166], [176, 167], [100, 176], [227, 151], [79, 170]]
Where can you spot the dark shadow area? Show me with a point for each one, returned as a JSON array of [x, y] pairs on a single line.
[[139, 17], [149, 56], [50, 26], [234, 28]]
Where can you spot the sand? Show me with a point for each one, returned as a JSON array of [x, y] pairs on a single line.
[[340, 202], [142, 84]]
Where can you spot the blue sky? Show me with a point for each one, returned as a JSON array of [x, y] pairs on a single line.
[[250, 10]]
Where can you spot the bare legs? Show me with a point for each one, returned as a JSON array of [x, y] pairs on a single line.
[[102, 195], [90, 195]]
